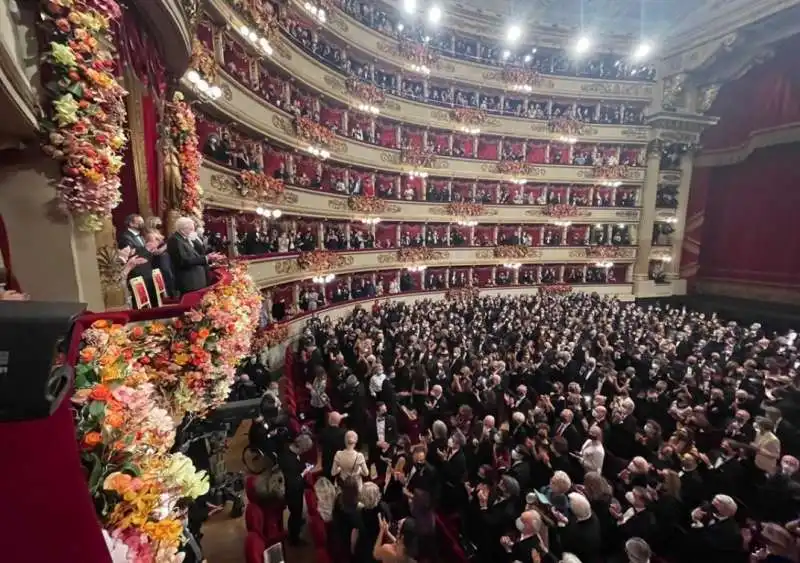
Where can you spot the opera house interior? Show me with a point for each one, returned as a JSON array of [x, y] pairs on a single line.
[[347, 281]]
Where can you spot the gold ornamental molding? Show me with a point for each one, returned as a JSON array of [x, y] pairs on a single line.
[[315, 262], [758, 291], [560, 211], [608, 252], [516, 252], [249, 186], [420, 255], [759, 139], [222, 189]]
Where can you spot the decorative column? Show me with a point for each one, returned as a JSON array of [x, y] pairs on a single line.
[[424, 234], [321, 236], [674, 267], [640, 272], [233, 236], [398, 187], [564, 232], [345, 122], [372, 129], [347, 232], [423, 186], [287, 94], [585, 272], [547, 153], [447, 277], [496, 234], [499, 149], [515, 276], [296, 296], [450, 142], [398, 136], [398, 234], [561, 273], [447, 235]]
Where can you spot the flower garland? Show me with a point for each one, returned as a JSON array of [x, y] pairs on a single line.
[[368, 93], [521, 77], [319, 260], [415, 156], [515, 251], [260, 187], [85, 124], [558, 289], [270, 336], [134, 383], [611, 171], [465, 209], [419, 255], [367, 204], [312, 131], [607, 252], [203, 61], [183, 132], [513, 167], [567, 126], [417, 53], [561, 211], [470, 116]]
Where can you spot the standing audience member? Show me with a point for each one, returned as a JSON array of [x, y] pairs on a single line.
[[189, 264]]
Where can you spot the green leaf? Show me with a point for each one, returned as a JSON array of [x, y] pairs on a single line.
[[131, 469], [96, 474], [97, 410], [83, 376]]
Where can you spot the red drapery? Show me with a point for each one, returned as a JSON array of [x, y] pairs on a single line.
[[386, 277], [535, 234], [386, 135], [536, 153], [386, 234], [487, 149], [483, 274], [750, 232], [693, 231], [5, 250], [484, 236]]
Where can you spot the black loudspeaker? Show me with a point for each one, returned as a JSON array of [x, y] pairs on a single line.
[[31, 335]]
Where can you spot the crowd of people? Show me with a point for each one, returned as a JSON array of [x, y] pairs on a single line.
[[183, 258], [555, 428]]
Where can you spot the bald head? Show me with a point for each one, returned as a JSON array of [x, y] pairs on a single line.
[[334, 419], [531, 522]]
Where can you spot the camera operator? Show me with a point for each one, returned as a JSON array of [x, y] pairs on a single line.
[[269, 432]]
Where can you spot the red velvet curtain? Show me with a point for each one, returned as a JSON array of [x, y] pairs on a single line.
[[386, 134], [483, 274], [464, 190], [563, 150], [750, 230], [386, 234], [467, 144], [413, 138], [693, 230], [484, 235], [412, 229], [463, 231], [487, 149], [283, 292], [440, 140], [536, 153], [330, 116], [205, 33], [272, 160], [216, 221]]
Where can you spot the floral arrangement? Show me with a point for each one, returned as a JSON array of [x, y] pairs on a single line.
[[312, 131], [203, 62], [261, 14], [465, 209], [607, 252], [521, 77], [611, 171], [417, 53], [183, 132], [558, 289], [513, 167], [462, 294], [134, 383], [367, 204], [415, 156], [470, 116], [567, 126], [419, 255], [260, 187], [510, 251], [368, 93], [319, 261], [85, 123], [270, 336], [561, 211]]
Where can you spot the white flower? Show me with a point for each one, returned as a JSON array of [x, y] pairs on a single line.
[[116, 548]]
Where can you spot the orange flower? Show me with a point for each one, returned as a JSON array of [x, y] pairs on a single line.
[[100, 393], [203, 333], [100, 324], [92, 440], [117, 482], [114, 419], [137, 332], [88, 354]]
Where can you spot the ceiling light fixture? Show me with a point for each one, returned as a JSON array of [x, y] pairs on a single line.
[[322, 154], [269, 213], [513, 265], [514, 33], [642, 51], [400, 27], [410, 6], [328, 278], [506, 54], [435, 14], [582, 45]]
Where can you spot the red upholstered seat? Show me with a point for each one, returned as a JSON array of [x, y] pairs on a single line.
[[448, 541], [254, 518], [254, 547], [316, 527]]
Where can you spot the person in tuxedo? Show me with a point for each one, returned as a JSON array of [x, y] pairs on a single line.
[[331, 440], [143, 254], [530, 526], [381, 437], [716, 536], [133, 235], [189, 264], [294, 471], [454, 473], [422, 475], [567, 430], [581, 536]]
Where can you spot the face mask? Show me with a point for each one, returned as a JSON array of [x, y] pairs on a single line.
[[787, 469], [520, 526], [515, 455]]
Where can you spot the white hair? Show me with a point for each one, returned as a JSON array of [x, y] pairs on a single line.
[[580, 506], [569, 558], [182, 223]]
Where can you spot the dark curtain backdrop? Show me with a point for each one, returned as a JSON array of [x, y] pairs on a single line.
[[768, 96], [749, 231]]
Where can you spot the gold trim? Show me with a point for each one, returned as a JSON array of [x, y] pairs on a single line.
[[758, 139], [136, 142]]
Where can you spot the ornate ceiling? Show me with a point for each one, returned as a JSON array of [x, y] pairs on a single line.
[[604, 17]]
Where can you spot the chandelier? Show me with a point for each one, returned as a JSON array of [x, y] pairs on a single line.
[[604, 264], [562, 223], [318, 13], [522, 88], [466, 223], [513, 266], [611, 183], [202, 88], [366, 108], [259, 41], [269, 213], [318, 152], [471, 130], [417, 268], [568, 139], [671, 220], [327, 278], [421, 69], [519, 181], [417, 174], [370, 220]]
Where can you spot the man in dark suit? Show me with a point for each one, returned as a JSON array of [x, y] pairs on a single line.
[[382, 437], [331, 440], [567, 430], [133, 237], [189, 265], [530, 527], [717, 539], [294, 471], [422, 475], [581, 536]]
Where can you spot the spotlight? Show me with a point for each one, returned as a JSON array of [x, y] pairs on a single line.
[[642, 50], [528, 58], [533, 50], [400, 27], [514, 33], [435, 14], [410, 6], [506, 54], [582, 45]]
